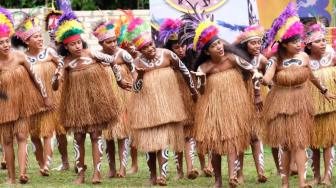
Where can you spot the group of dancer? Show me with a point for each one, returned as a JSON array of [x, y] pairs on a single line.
[[196, 93]]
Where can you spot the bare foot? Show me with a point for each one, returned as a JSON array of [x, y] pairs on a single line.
[[179, 176], [80, 180], [262, 178], [240, 179], [208, 172], [151, 182], [315, 181], [121, 174], [96, 178], [161, 181], [10, 181], [233, 182], [286, 185], [133, 170], [193, 174], [218, 184], [111, 174], [23, 179], [307, 186], [326, 182], [44, 171]]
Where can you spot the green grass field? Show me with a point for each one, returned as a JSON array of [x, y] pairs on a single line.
[[64, 179]]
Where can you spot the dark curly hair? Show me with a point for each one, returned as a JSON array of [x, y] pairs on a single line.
[[64, 52]]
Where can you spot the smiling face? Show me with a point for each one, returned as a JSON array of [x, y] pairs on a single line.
[[5, 46], [75, 47], [216, 49], [253, 47], [149, 50], [35, 41]]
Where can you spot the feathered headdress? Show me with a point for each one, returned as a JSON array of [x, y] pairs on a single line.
[[104, 30], [29, 26], [285, 26], [250, 33], [138, 33], [169, 30], [199, 29], [121, 25], [68, 28], [314, 32], [51, 19], [6, 23]]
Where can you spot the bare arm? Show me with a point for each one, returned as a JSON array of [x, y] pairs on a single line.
[[269, 72], [129, 61], [109, 59], [176, 61], [138, 79], [39, 84]]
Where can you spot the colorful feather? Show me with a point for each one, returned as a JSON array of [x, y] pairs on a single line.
[[138, 32], [288, 21], [169, 30], [6, 23], [64, 5], [28, 27], [121, 24], [68, 25], [250, 32], [198, 28]]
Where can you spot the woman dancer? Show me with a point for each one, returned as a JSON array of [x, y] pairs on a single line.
[[87, 106], [288, 108]]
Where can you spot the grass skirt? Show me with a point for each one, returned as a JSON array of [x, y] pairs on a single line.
[[158, 113], [188, 104], [24, 99], [87, 105], [223, 113], [159, 102], [12, 128], [169, 136], [325, 112], [288, 111], [44, 124], [121, 128]]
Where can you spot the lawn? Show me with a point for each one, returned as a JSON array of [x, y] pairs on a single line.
[[64, 179]]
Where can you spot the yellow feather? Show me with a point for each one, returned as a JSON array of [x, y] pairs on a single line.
[[284, 28], [201, 27], [66, 26], [4, 20]]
